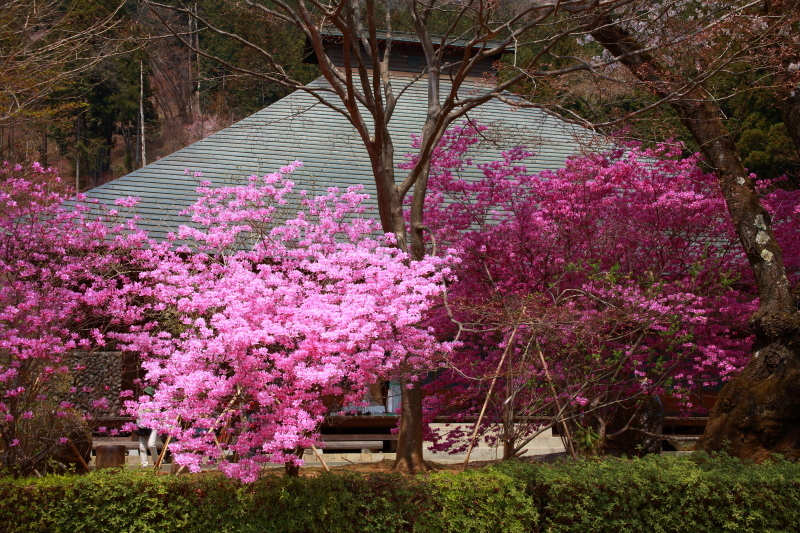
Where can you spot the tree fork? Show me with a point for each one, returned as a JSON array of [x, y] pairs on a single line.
[[758, 412]]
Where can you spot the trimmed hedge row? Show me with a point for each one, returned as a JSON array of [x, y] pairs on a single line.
[[654, 494]]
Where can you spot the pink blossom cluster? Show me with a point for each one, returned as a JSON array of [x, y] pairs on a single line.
[[784, 206], [620, 275], [277, 308], [62, 267]]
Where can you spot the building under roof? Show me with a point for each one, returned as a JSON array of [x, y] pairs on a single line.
[[298, 127]]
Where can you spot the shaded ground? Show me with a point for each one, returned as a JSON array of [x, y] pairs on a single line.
[[386, 465]]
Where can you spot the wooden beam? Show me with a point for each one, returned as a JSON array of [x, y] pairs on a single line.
[[343, 438], [355, 445]]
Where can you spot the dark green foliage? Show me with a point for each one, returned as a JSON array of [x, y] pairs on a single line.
[[105, 98], [477, 502], [657, 493], [753, 117], [663, 493], [226, 91]]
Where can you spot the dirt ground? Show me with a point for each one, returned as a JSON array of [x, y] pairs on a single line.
[[386, 465]]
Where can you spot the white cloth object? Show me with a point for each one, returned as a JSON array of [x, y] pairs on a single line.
[[148, 442]]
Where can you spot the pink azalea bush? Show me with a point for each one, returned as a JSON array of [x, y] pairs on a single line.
[[579, 295], [61, 272], [619, 277], [277, 308]]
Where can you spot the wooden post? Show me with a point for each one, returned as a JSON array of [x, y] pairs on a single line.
[[111, 456]]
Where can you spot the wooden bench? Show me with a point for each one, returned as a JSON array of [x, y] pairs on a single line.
[[362, 432], [332, 438], [682, 432], [356, 442], [130, 443]]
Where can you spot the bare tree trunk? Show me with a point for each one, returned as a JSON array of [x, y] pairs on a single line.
[[195, 36], [44, 147], [409, 443], [291, 469], [758, 412], [509, 449], [78, 155]]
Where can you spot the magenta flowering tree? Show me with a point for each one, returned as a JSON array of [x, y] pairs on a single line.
[[585, 292], [278, 308], [61, 275], [783, 205]]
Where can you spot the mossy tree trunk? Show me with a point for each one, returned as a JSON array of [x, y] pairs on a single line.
[[758, 412]]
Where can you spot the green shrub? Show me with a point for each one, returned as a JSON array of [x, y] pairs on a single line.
[[664, 494], [341, 503], [115, 500], [476, 502], [699, 493]]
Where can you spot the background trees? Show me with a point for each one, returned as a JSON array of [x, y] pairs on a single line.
[[43, 51], [47, 51]]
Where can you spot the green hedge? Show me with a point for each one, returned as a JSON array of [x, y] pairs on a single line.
[[664, 493], [655, 494]]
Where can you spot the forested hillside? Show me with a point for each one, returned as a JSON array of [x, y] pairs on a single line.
[[80, 107]]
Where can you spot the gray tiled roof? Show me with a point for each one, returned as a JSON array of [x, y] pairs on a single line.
[[299, 127]]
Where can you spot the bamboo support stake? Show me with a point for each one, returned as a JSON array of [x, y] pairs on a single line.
[[319, 456], [79, 456], [163, 454], [489, 394], [565, 428], [164, 449]]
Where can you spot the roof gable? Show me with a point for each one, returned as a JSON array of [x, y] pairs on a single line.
[[407, 54]]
